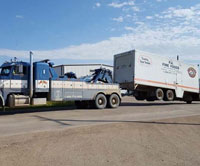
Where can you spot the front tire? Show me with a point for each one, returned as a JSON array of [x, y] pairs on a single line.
[[114, 101], [100, 101]]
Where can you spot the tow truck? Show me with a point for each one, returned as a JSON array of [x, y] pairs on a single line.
[[26, 83]]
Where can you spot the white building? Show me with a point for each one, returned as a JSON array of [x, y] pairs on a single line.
[[80, 69]]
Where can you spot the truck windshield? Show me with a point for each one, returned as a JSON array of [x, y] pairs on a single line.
[[5, 71]]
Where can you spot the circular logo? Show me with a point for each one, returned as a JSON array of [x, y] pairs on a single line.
[[192, 72]]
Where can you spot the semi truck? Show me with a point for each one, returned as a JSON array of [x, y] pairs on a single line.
[[25, 83], [151, 77]]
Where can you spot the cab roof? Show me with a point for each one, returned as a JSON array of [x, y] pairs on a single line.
[[9, 64]]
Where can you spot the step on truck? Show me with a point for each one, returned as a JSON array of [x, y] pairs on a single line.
[[152, 77], [23, 83]]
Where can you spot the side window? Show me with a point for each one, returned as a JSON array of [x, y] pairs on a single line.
[[18, 69], [5, 71]]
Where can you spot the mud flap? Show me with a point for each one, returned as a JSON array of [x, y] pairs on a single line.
[[179, 92]]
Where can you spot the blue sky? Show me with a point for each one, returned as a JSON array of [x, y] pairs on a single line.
[[92, 31]]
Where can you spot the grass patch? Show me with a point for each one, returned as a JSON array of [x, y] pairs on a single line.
[[49, 106]]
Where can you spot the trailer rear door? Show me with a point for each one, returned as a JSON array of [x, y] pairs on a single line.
[[124, 67]]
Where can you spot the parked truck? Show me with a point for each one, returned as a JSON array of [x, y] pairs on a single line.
[[152, 77], [23, 83]]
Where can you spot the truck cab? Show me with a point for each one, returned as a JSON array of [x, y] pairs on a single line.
[[13, 79]]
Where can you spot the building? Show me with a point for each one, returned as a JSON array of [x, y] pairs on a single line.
[[80, 69]]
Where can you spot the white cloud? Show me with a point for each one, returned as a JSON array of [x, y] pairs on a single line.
[[19, 16], [167, 41], [129, 28], [120, 5], [118, 19], [174, 34], [161, 0], [149, 17], [136, 9], [188, 13], [139, 23], [98, 4]]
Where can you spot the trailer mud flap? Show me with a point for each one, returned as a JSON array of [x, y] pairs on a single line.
[[179, 92]]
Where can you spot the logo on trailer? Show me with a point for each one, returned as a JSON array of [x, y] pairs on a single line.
[[145, 60], [192, 72]]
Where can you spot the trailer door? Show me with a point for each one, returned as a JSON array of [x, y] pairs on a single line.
[[124, 68]]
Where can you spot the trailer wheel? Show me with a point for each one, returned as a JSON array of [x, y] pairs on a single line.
[[188, 99], [100, 101], [114, 101], [159, 94], [169, 95]]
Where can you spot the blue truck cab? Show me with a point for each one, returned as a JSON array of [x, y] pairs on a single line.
[[15, 78]]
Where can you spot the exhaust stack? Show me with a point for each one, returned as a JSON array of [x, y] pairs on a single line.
[[31, 77], [177, 57]]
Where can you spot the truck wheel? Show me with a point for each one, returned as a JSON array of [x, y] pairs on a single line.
[[114, 101], [159, 94], [188, 99], [169, 95], [100, 101]]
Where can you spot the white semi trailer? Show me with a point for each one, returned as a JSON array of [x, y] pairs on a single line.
[[151, 77]]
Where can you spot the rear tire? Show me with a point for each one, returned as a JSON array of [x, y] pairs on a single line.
[[159, 94], [188, 99], [169, 95], [100, 101], [114, 101]]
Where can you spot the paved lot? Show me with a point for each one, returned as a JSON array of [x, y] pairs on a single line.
[[130, 110], [137, 133]]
